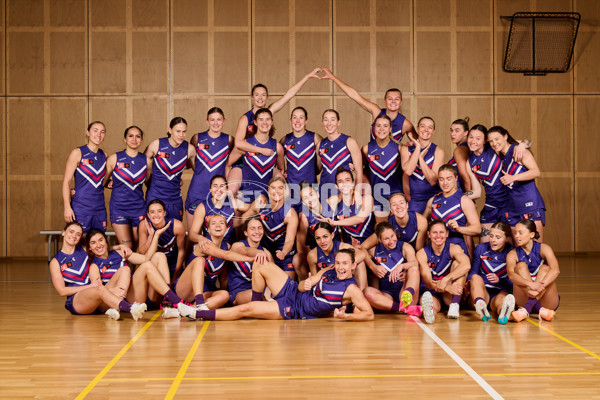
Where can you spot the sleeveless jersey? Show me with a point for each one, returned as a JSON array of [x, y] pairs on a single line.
[[168, 165], [300, 158], [257, 169], [360, 231], [167, 242], [385, 167], [327, 260], [324, 297], [389, 259], [334, 154], [533, 260], [226, 210], [251, 129], [128, 180], [439, 265], [420, 189], [487, 261], [109, 266], [89, 179], [410, 232], [274, 226], [74, 267], [452, 162], [211, 159], [524, 195], [487, 167], [212, 268], [397, 123], [449, 208], [239, 274]]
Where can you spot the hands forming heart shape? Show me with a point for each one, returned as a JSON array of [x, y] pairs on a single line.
[[325, 71]]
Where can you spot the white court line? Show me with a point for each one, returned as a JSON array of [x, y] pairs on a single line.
[[484, 385]]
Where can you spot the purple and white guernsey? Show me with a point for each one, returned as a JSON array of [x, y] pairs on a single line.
[[420, 188], [487, 167], [110, 265], [439, 265], [258, 169], [324, 297], [168, 165], [300, 158], [385, 168], [453, 162], [533, 260], [487, 261], [408, 233], [397, 123], [390, 260], [524, 195], [359, 231], [74, 267], [239, 274], [333, 154], [327, 260], [449, 208], [89, 179], [128, 179], [213, 267]]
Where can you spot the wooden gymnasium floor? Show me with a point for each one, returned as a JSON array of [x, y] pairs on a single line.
[[47, 353]]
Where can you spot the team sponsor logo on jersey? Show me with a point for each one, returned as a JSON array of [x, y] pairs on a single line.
[[162, 154], [431, 265], [374, 157], [322, 265], [264, 217], [66, 266], [288, 311], [203, 146], [323, 151], [290, 146], [104, 269], [123, 165], [381, 259], [436, 206], [87, 161]]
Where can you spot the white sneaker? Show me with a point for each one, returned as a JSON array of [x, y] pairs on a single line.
[[427, 305], [137, 310], [453, 310], [481, 310], [113, 314], [508, 306], [202, 307], [186, 311], [170, 312]]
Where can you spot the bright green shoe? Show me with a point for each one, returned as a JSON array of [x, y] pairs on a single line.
[[406, 298]]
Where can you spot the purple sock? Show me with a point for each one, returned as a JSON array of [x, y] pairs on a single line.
[[256, 296], [395, 306], [456, 298], [529, 305], [200, 299], [536, 308], [207, 315], [477, 299], [124, 306], [410, 290], [172, 297]]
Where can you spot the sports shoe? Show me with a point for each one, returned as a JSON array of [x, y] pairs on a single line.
[[546, 314], [453, 311], [406, 298], [508, 306], [417, 311], [137, 310], [520, 314], [185, 310], [481, 310], [170, 312], [202, 307], [427, 306], [113, 314]]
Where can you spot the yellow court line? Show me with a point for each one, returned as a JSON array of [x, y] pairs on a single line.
[[116, 358], [186, 363], [543, 374], [564, 339]]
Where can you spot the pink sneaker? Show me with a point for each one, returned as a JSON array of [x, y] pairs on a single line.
[[546, 314], [417, 311], [520, 314]]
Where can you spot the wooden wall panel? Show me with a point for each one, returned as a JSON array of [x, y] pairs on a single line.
[[314, 105], [68, 13], [440, 109], [587, 48], [553, 147], [352, 12], [313, 13], [393, 13], [23, 220], [68, 63], [588, 214], [351, 60], [105, 13], [190, 13], [271, 13], [113, 112], [194, 110], [479, 110], [558, 196], [68, 122], [150, 59], [232, 63], [2, 50], [25, 131], [108, 58], [394, 61], [25, 62], [150, 13], [313, 50], [234, 108], [514, 114], [232, 13], [190, 62], [272, 60], [25, 12], [434, 13], [154, 113], [473, 12], [474, 67], [507, 82], [356, 122], [3, 205], [433, 73], [587, 140]]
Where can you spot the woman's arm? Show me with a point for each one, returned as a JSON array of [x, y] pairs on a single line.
[[70, 168], [312, 280], [280, 103], [197, 223], [410, 161], [461, 157], [548, 254], [473, 225], [368, 106], [422, 235], [354, 295], [137, 258], [291, 228], [110, 167], [59, 283], [532, 173], [431, 174], [356, 158], [179, 231]]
